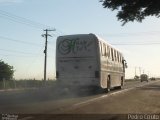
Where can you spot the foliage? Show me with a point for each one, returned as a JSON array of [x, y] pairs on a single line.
[[26, 83], [6, 71], [131, 10]]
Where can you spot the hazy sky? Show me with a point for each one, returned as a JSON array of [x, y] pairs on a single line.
[[21, 43]]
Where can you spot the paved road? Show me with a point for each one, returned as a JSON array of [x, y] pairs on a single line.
[[51, 101], [140, 100]]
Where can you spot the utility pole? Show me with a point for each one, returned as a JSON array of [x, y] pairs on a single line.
[[45, 51], [148, 74], [140, 71], [143, 71], [135, 71]]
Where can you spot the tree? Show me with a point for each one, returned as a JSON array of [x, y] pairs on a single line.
[[131, 10], [6, 71]]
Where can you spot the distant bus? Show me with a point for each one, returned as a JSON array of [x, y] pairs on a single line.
[[85, 60], [144, 77]]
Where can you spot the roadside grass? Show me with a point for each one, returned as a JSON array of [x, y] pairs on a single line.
[[22, 84]]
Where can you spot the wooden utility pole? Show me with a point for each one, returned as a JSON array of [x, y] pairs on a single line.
[[139, 71], [45, 51], [135, 71]]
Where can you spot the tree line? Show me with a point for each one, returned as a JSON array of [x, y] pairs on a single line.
[[6, 71], [133, 10]]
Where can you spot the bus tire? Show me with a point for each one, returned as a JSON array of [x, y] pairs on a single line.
[[120, 87], [108, 84]]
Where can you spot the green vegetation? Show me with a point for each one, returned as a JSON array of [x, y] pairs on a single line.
[[22, 84], [131, 10], [6, 71], [7, 81]]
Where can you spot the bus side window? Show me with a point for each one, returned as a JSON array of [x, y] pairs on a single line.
[[100, 47], [105, 50], [112, 54], [115, 56], [108, 52], [121, 59], [118, 56], [103, 46]]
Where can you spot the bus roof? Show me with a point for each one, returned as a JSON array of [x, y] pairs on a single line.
[[98, 38]]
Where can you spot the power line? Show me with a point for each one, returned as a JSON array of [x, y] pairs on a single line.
[[25, 21], [13, 51], [19, 41], [22, 20], [135, 43], [34, 60], [134, 34], [60, 32], [36, 44], [12, 55]]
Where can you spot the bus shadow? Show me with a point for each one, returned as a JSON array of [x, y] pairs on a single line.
[[77, 93], [44, 94], [47, 94]]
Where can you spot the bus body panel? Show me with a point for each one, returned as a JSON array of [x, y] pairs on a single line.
[[87, 60], [77, 61], [112, 65]]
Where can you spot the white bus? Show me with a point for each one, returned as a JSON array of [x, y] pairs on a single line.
[[85, 60]]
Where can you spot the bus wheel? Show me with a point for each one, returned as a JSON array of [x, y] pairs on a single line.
[[120, 87], [108, 84]]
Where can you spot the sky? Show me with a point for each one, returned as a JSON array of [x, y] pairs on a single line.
[[22, 23]]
